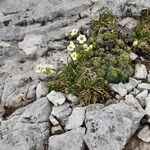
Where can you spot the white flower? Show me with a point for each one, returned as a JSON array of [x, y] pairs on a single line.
[[71, 46], [73, 56], [85, 45], [39, 68], [74, 32], [81, 38], [48, 69], [87, 48], [135, 43]]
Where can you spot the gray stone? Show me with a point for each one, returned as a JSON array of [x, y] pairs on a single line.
[[28, 128], [144, 134], [134, 82], [62, 112], [53, 120], [111, 127], [57, 98], [71, 140], [120, 89], [41, 90], [18, 91], [147, 108], [129, 87], [135, 92], [30, 43], [133, 56], [57, 130], [72, 98], [4, 44], [118, 97], [142, 97], [128, 22], [140, 71], [76, 119], [144, 86], [130, 100]]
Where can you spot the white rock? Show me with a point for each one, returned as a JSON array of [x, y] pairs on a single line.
[[72, 98], [144, 86], [142, 97], [62, 112], [134, 82], [76, 119], [144, 134], [71, 140], [1, 15], [41, 90], [57, 130], [111, 127], [135, 92], [118, 97], [53, 120], [57, 98], [140, 71], [133, 56], [128, 22], [130, 100], [147, 108], [30, 43], [4, 44], [120, 89], [129, 87]]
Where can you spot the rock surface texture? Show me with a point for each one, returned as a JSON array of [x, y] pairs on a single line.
[[31, 118]]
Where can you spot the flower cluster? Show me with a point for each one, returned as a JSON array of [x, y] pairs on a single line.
[[47, 69], [80, 41]]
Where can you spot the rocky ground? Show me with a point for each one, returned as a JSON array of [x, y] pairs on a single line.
[[31, 118]]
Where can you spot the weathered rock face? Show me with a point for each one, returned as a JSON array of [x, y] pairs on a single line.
[[18, 91], [28, 128], [33, 30], [71, 140], [105, 127]]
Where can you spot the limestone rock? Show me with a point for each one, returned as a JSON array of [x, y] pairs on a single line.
[[4, 44], [134, 82], [53, 120], [57, 98], [62, 112], [72, 98], [147, 108], [71, 140], [111, 127], [29, 128], [140, 71], [144, 86], [120, 89], [30, 43], [41, 90], [144, 134], [129, 87], [133, 56], [129, 23], [135, 92], [76, 119], [142, 97], [130, 100], [57, 130], [18, 91]]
